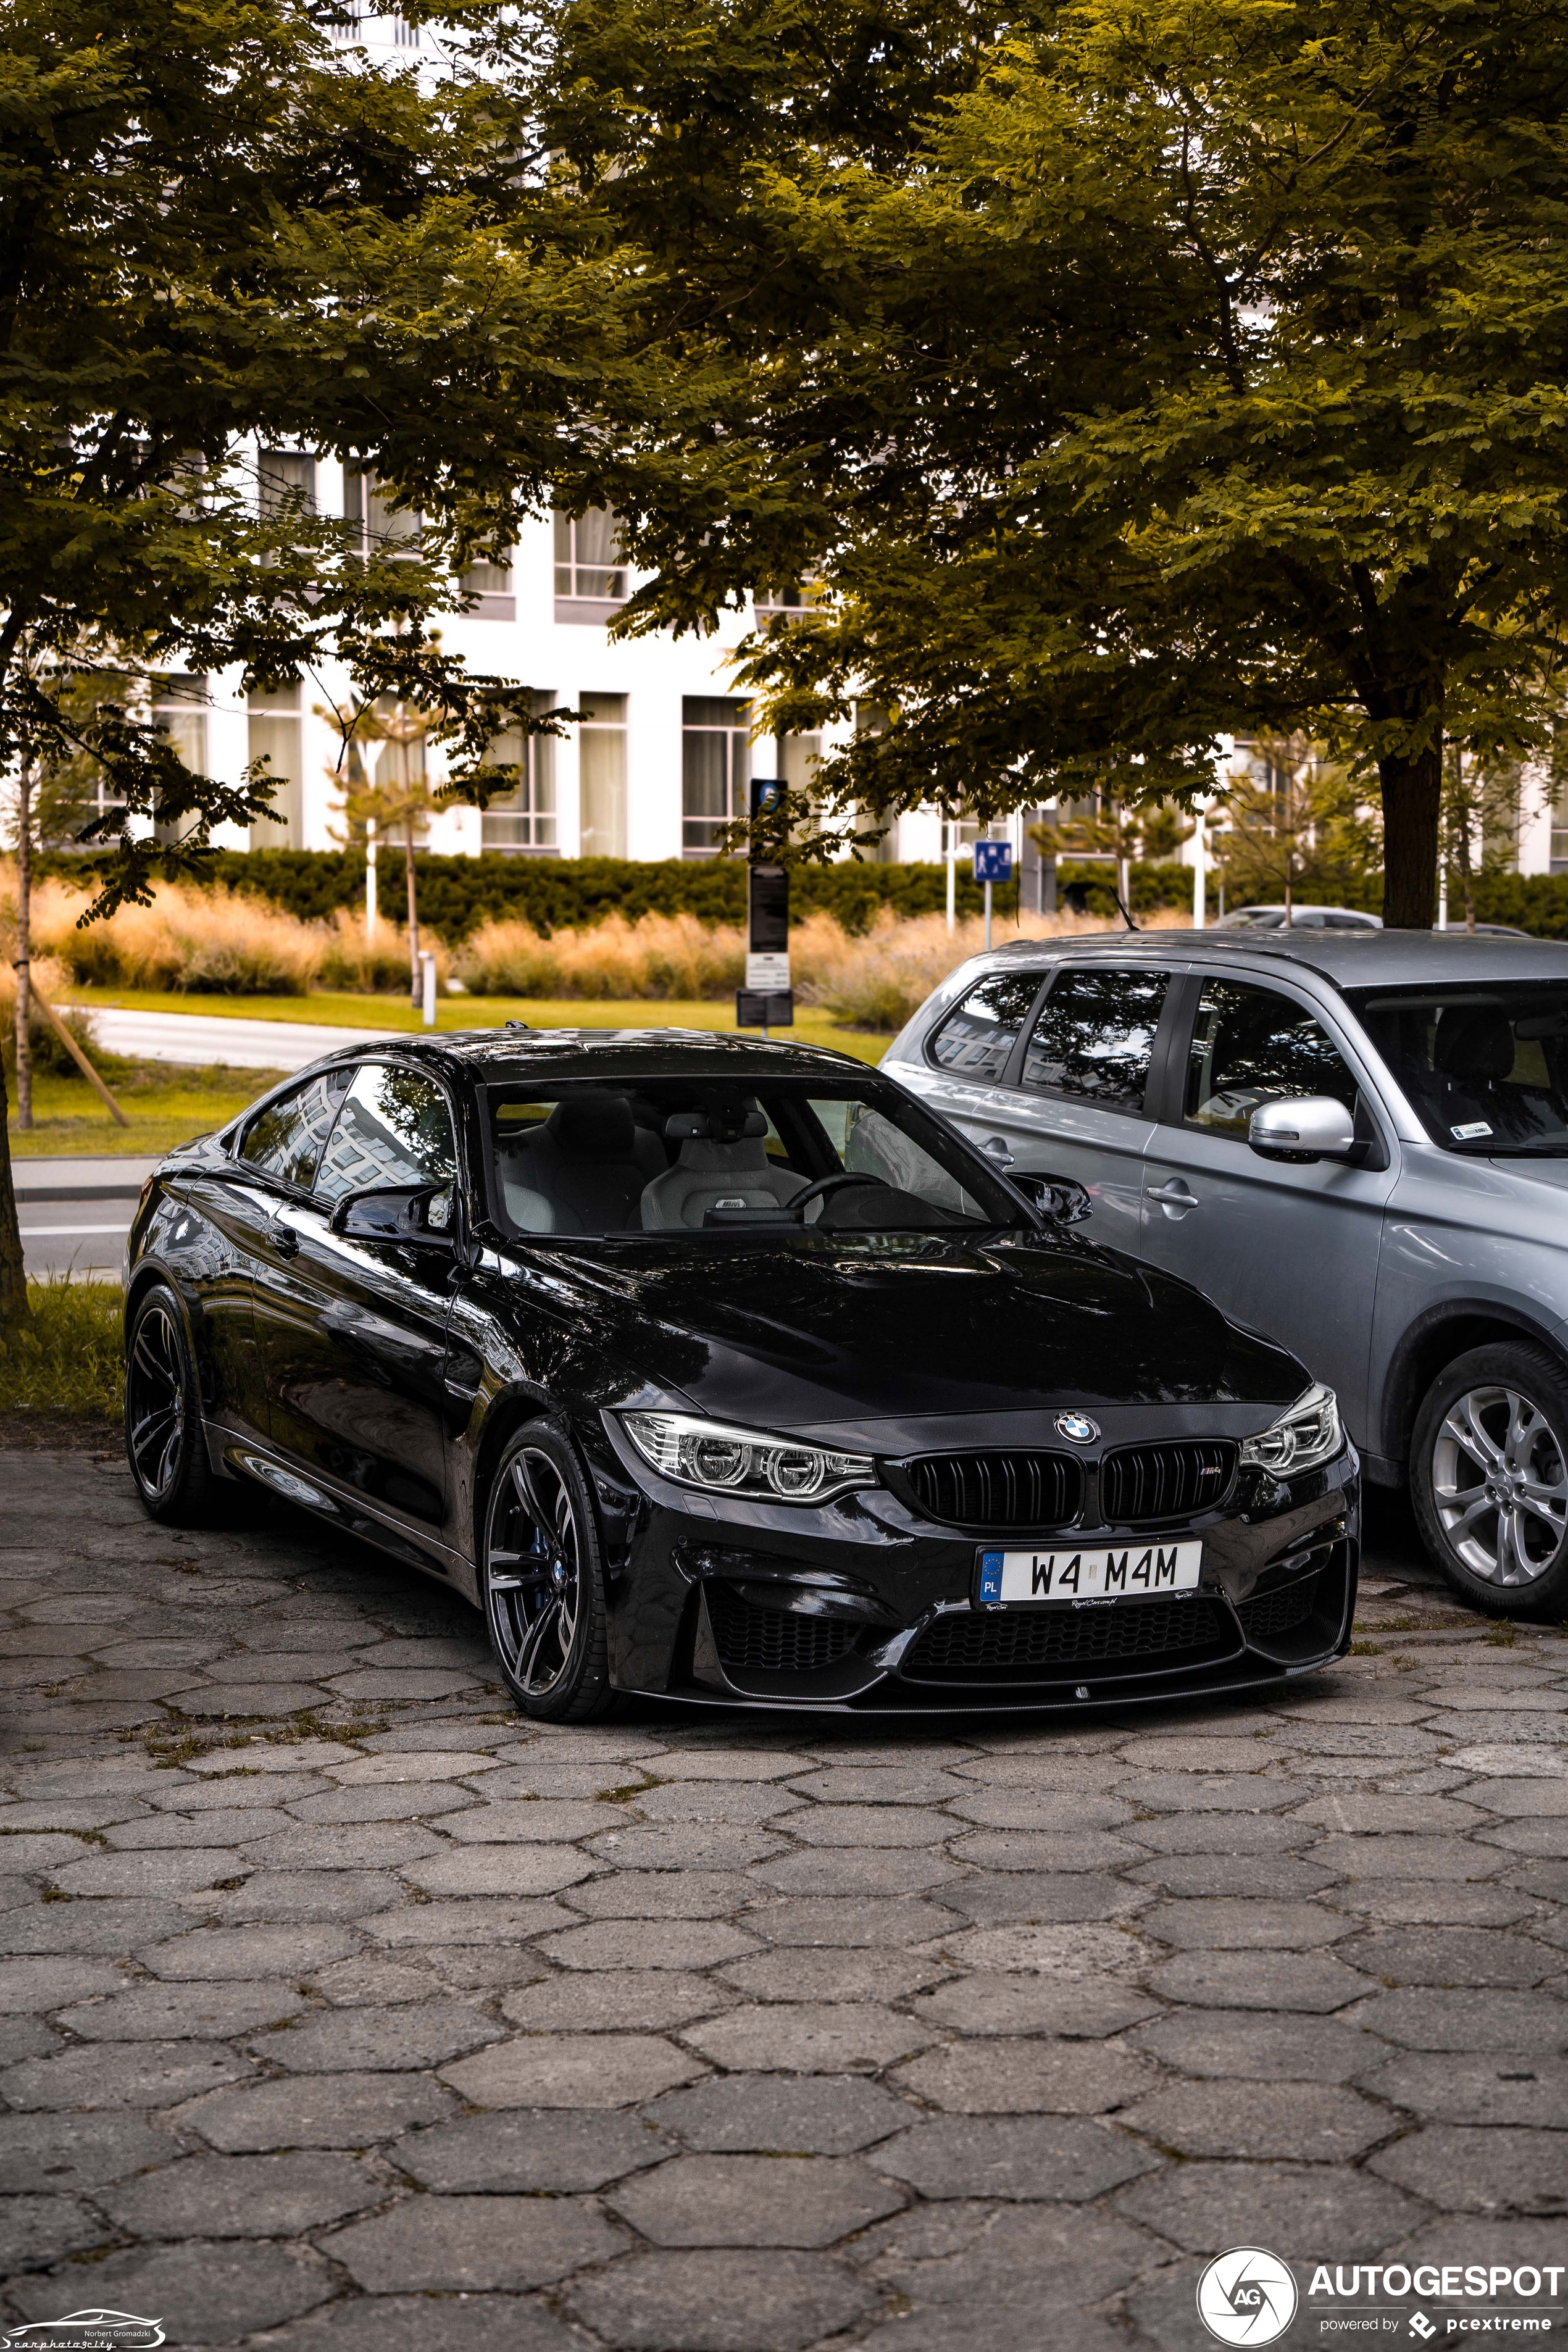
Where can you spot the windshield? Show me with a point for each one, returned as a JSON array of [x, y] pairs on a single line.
[[1485, 1067], [683, 1156]]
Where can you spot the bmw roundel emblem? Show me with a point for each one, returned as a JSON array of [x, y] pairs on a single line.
[[1077, 1428]]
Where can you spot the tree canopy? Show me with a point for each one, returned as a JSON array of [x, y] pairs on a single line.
[[221, 234], [1126, 375]]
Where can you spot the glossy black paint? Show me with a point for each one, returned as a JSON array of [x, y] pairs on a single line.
[[378, 1379]]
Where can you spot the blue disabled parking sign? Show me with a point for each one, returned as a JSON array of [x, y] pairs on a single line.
[[993, 861]]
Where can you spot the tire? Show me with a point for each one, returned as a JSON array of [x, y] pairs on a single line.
[[164, 1441], [1489, 1478], [541, 1582]]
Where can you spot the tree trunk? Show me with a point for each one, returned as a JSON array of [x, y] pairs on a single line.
[[1411, 802], [13, 1279], [24, 946]]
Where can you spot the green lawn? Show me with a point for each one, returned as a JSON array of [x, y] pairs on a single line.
[[326, 1009], [167, 1105]]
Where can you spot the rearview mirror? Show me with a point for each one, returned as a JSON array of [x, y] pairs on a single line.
[[1302, 1129], [1062, 1198], [397, 1212]]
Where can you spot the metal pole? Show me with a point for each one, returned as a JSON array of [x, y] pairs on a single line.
[[988, 919], [952, 877], [427, 976], [370, 881], [1200, 868]]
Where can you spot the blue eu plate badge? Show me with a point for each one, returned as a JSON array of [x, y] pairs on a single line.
[[991, 1578]]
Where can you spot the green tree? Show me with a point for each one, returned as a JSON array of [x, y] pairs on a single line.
[[220, 235], [1128, 378]]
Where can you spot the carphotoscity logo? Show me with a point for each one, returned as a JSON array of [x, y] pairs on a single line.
[[1247, 2296], [85, 2331], [1077, 1428]]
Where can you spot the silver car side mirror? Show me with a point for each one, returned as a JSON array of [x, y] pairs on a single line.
[[1302, 1127]]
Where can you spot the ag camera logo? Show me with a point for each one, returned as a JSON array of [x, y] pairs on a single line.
[[1247, 2296]]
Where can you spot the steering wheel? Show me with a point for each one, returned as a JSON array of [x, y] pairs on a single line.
[[826, 1185]]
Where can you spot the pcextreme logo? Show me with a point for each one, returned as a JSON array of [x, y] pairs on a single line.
[[1247, 2296]]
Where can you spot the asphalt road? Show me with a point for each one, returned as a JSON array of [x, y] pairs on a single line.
[[342, 2010], [200, 1039]]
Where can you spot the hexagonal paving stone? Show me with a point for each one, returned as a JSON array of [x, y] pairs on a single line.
[[754, 2201], [780, 2114], [1260, 2046], [1293, 2210], [204, 2292], [1468, 2021], [526, 2149], [814, 2038], [473, 2244], [1310, 2123], [318, 2111], [350, 2041], [566, 2070], [245, 2195], [731, 2301], [1012, 2157], [1453, 1955], [1506, 2170], [1021, 2078]]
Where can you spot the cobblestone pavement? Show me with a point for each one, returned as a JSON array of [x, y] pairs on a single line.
[[342, 2011]]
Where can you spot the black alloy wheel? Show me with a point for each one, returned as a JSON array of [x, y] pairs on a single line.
[[542, 1585], [163, 1440], [1489, 1478]]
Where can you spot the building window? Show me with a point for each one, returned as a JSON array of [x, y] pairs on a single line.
[[523, 822], [274, 731], [602, 738], [180, 711], [589, 573], [381, 523], [491, 585], [405, 34], [282, 474], [715, 769]]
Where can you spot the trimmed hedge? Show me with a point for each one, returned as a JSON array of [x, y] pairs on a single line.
[[457, 894]]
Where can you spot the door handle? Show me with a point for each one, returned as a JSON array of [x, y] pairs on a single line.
[[1175, 1198], [995, 1147], [283, 1238]]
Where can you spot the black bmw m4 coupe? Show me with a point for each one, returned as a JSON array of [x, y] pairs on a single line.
[[722, 1370]]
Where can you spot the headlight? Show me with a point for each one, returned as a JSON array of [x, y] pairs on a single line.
[[1309, 1434], [721, 1460]]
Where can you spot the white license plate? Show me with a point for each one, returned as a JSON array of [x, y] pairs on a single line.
[[1129, 1571]]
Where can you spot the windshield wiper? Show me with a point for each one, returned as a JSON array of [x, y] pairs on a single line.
[[1544, 1147]]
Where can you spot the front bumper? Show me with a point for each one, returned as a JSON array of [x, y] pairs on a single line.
[[862, 1606]]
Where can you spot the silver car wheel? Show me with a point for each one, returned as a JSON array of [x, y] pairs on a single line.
[[1500, 1484], [533, 1568]]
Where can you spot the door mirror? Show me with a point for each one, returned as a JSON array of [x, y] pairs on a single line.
[[1302, 1129], [397, 1212], [1061, 1198]]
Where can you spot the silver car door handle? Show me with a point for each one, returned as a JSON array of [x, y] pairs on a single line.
[[995, 1147], [1175, 1198]]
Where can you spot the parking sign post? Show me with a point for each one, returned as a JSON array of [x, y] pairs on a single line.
[[766, 1000], [993, 863]]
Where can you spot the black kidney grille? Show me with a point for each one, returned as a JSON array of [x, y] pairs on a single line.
[[998, 1490], [1164, 1482], [1269, 1614], [1028, 1642], [775, 1641]]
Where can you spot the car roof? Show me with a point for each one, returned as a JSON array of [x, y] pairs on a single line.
[[509, 1056], [1346, 959]]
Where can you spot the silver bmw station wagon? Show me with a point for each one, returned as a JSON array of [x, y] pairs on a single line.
[[1355, 1141]]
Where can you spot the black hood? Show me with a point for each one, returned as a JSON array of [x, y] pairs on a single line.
[[831, 1327]]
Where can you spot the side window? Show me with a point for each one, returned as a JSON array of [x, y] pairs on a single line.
[[394, 1128], [1095, 1036], [286, 1138], [977, 1038], [1251, 1045]]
